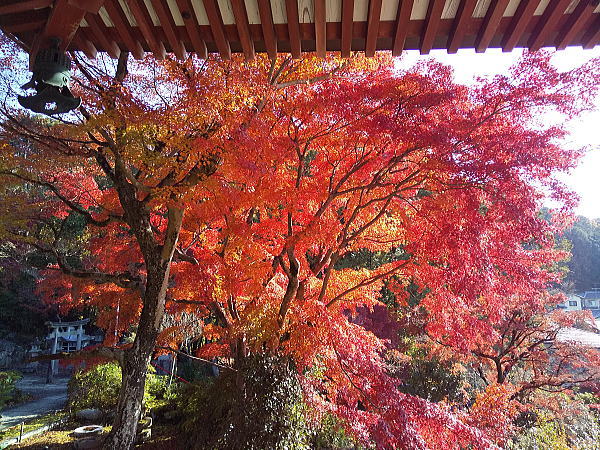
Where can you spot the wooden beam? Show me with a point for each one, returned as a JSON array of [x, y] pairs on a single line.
[[122, 26], [517, 26], [168, 25], [102, 37], [243, 28], [404, 11], [575, 23], [554, 11], [432, 21], [291, 9], [320, 28], [22, 6], [144, 23], [216, 26], [347, 24], [463, 15], [89, 6], [268, 29], [490, 24], [373, 27], [88, 48], [63, 22], [592, 36], [192, 27]]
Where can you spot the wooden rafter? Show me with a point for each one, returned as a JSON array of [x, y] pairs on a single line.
[[88, 48], [320, 28], [575, 23], [347, 25], [463, 16], [403, 17], [191, 27], [274, 26], [144, 23], [373, 27], [554, 11], [518, 24], [243, 28], [592, 37], [268, 29], [216, 26], [24, 6], [101, 36], [122, 26], [291, 9], [432, 21], [168, 25], [490, 24]]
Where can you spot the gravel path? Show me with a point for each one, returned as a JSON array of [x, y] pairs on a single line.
[[46, 398]]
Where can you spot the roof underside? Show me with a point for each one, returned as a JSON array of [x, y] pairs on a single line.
[[297, 26]]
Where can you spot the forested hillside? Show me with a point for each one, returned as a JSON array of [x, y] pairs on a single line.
[[584, 266]]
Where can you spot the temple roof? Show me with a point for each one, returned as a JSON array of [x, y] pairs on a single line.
[[297, 26]]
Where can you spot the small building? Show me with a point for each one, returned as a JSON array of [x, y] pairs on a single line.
[[586, 300], [573, 303], [68, 337]]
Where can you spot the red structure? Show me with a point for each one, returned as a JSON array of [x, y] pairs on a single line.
[[297, 26]]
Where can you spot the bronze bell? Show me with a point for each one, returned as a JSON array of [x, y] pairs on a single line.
[[50, 79]]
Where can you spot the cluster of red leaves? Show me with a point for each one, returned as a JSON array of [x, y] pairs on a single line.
[[317, 159]]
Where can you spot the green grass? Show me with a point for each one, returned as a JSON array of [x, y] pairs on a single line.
[[34, 424]]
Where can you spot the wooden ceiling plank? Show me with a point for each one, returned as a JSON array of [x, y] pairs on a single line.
[[216, 26], [192, 27], [168, 25], [22, 6], [291, 10], [243, 28], [517, 26], [144, 23], [347, 24], [490, 24], [404, 11], [592, 37], [320, 28], [432, 21], [268, 29], [373, 27], [554, 11], [108, 44], [575, 23], [121, 24]]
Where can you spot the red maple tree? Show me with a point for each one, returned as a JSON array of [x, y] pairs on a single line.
[[232, 190]]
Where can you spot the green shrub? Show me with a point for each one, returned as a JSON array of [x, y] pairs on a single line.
[[8, 391], [99, 386], [331, 435], [258, 407]]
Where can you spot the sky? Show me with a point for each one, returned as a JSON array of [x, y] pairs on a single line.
[[584, 131]]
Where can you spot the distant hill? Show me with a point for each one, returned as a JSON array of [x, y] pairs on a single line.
[[584, 266]]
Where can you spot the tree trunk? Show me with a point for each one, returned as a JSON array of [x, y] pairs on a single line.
[[135, 365], [137, 358]]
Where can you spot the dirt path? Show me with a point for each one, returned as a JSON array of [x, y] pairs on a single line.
[[46, 397]]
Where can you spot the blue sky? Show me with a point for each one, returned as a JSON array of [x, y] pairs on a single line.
[[585, 180]]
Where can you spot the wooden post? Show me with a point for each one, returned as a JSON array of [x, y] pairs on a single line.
[[21, 431]]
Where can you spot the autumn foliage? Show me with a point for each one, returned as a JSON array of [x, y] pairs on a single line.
[[280, 169]]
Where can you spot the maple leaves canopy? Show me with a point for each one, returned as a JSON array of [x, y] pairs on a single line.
[[312, 160]]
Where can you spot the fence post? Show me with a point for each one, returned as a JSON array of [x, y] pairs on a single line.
[[21, 431]]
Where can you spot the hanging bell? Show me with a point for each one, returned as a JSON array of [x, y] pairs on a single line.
[[51, 76]]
